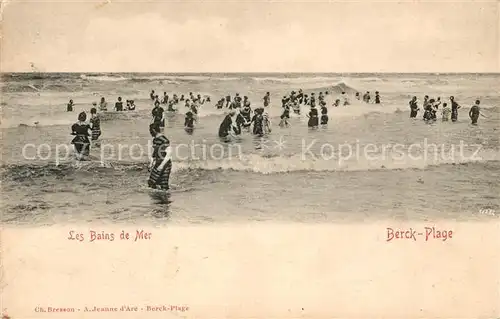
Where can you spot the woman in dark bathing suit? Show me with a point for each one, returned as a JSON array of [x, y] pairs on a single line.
[[258, 122], [246, 113], [95, 123], [285, 116], [189, 120], [474, 113], [413, 107], [81, 141], [313, 117], [312, 101], [161, 162], [454, 109], [226, 125], [324, 113], [119, 105], [431, 111], [267, 99], [69, 108], [157, 114], [240, 122], [428, 114]]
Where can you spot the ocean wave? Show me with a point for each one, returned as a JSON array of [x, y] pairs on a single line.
[[37, 121], [68, 118], [336, 89], [281, 164], [164, 79], [21, 88], [33, 76], [295, 80], [61, 88], [374, 79], [104, 78], [252, 163], [39, 87]]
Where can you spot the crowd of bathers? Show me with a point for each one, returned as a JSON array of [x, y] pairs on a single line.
[[240, 117], [432, 106], [192, 103], [103, 105]]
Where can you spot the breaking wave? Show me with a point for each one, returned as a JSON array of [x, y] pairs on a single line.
[[103, 78], [251, 163], [63, 119]]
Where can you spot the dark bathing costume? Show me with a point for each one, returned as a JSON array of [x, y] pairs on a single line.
[[429, 113], [474, 114], [131, 106], [324, 115], [157, 114], [266, 100], [246, 113], [258, 123], [414, 109], [95, 122], [454, 111], [225, 126], [119, 106], [160, 178], [81, 140], [313, 118], [189, 120], [240, 122]]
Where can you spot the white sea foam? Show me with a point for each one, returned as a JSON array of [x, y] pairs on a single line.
[[280, 164], [103, 78]]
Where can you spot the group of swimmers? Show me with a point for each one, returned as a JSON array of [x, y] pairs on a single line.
[[192, 104], [367, 97], [192, 101], [295, 100], [241, 117], [237, 102], [82, 130], [431, 108], [103, 105], [161, 161]]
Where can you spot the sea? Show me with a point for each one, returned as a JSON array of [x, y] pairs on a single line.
[[370, 162]]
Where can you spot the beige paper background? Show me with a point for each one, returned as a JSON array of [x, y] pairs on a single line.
[[257, 271], [254, 270]]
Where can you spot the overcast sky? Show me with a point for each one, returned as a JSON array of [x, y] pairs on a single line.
[[251, 36]]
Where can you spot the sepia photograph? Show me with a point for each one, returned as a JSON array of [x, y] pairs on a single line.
[[203, 147], [212, 113]]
